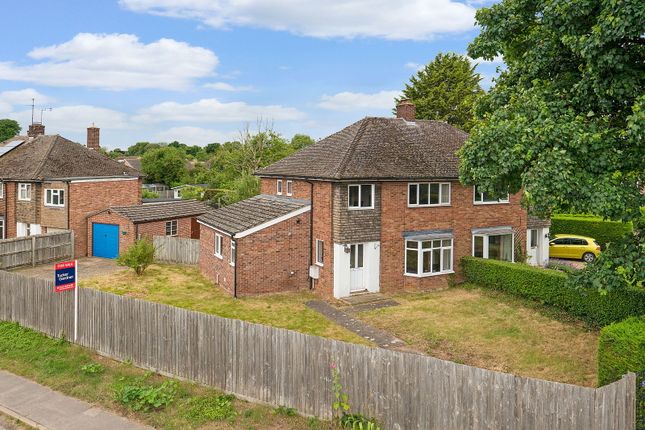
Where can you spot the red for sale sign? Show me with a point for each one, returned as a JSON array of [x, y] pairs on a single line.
[[65, 276]]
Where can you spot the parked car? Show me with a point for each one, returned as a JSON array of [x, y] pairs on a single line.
[[575, 247]]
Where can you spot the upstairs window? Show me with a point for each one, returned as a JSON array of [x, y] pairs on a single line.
[[278, 187], [171, 228], [482, 198], [1, 228], [429, 194], [55, 197], [24, 192], [1, 190], [289, 188], [361, 196]]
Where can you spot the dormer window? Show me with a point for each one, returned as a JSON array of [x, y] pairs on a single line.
[[361, 196]]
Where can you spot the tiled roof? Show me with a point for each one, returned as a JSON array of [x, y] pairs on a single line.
[[134, 162], [251, 212], [161, 211], [54, 157], [378, 148], [535, 222]]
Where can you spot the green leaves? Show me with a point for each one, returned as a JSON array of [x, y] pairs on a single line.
[[144, 397], [138, 256], [8, 129]]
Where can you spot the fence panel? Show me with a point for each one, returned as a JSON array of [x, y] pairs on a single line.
[[32, 250], [286, 368], [176, 249]]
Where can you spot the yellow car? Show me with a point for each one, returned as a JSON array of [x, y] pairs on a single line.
[[575, 247]]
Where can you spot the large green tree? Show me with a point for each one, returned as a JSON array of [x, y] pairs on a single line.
[[566, 120], [166, 165], [446, 89], [8, 129]]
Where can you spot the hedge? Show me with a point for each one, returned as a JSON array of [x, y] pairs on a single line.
[[621, 349], [591, 226], [550, 287]]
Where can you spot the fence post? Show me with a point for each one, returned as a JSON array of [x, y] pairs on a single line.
[[33, 251], [71, 236]]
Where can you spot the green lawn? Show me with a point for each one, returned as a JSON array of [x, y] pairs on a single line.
[[78, 372], [494, 331], [185, 287]]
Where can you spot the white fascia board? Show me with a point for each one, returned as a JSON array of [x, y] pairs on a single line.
[[114, 179], [214, 228]]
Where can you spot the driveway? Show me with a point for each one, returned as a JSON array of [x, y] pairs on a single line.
[[576, 264], [88, 267]]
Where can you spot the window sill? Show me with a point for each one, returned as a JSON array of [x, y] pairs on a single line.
[[442, 205], [221, 257], [490, 203], [429, 275], [319, 264], [359, 209], [24, 200], [231, 264], [55, 206]]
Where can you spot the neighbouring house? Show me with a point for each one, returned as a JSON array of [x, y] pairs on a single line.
[[49, 183], [178, 189], [132, 162], [387, 214], [258, 245], [118, 227]]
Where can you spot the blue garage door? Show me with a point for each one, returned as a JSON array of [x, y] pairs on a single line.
[[105, 240]]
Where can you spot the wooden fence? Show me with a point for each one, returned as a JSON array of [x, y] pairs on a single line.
[[32, 250], [176, 249], [282, 367]]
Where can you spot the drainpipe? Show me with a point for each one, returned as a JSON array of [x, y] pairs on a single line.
[[311, 231], [235, 270]]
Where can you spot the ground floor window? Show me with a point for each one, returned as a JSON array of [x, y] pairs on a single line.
[[1, 228], [171, 228], [233, 256], [493, 246], [218, 245], [320, 252], [428, 257]]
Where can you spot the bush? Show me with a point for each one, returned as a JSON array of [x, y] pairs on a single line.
[[621, 349], [138, 256], [550, 287], [143, 397], [587, 225]]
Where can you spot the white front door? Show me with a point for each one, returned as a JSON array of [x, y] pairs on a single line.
[[356, 268]]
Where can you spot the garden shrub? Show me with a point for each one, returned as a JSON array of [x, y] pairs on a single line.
[[603, 231], [138, 256], [550, 287], [145, 397], [621, 349]]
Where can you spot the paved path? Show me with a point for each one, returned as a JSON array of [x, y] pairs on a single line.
[[88, 267], [42, 408], [351, 323]]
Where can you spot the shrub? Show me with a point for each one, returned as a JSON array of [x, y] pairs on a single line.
[[621, 349], [147, 194], [550, 287], [587, 225], [138, 256], [143, 397], [358, 422]]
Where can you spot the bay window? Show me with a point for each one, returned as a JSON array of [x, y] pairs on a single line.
[[428, 257]]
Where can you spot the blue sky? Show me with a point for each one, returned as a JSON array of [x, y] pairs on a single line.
[[198, 71]]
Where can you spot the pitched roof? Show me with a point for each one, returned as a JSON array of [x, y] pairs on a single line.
[[378, 148], [535, 222], [54, 157], [161, 211], [249, 213], [134, 162]]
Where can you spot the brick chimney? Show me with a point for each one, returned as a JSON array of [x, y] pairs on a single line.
[[36, 130], [93, 138], [407, 110]]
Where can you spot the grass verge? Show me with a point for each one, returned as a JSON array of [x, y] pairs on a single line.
[[116, 386]]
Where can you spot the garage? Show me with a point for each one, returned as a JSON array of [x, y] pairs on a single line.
[[105, 240]]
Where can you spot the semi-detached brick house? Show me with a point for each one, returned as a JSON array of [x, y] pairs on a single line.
[[49, 183], [119, 227], [387, 210]]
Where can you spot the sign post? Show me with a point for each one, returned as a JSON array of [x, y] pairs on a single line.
[[66, 278]]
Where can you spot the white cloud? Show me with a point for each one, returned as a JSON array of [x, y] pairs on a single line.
[[114, 62], [212, 110], [10, 100], [407, 20], [195, 135], [349, 101], [223, 86], [497, 60]]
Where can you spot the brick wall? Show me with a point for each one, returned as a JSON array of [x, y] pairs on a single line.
[[10, 209], [352, 226], [461, 217], [217, 269], [158, 228], [87, 198], [28, 211], [301, 189], [323, 220], [275, 259], [54, 217], [108, 217]]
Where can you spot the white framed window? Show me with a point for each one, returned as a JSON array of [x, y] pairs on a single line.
[[24, 229], [533, 238], [24, 192], [278, 187], [429, 194], [428, 257], [289, 188], [1, 190], [55, 197], [2, 228], [360, 196], [320, 252], [233, 251], [171, 228], [494, 246], [218, 245], [482, 198]]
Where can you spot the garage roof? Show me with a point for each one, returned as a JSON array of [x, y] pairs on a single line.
[[161, 211]]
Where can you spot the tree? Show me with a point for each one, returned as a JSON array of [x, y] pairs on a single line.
[[446, 89], [138, 256], [8, 129], [166, 165], [141, 148], [566, 121], [300, 141]]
